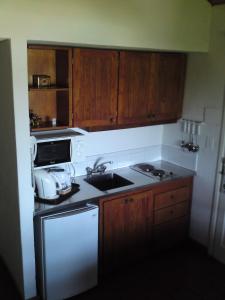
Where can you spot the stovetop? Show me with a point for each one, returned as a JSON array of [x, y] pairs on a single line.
[[151, 171]]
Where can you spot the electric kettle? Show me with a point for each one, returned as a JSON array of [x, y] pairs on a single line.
[[46, 185]]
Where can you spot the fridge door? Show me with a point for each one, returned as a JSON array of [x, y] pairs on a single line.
[[70, 253]]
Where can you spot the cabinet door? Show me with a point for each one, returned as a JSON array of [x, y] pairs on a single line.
[[95, 80], [136, 90], [113, 242], [170, 86], [125, 224]]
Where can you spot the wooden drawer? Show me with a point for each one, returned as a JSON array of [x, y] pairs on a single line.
[[170, 213], [171, 197]]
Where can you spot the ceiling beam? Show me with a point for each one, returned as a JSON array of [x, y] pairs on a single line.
[[215, 2]]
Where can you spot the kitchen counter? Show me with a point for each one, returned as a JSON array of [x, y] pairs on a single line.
[[90, 194]]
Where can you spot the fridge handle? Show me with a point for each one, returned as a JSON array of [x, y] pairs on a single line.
[[70, 212]]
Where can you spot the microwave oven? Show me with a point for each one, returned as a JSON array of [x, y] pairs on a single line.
[[52, 149]]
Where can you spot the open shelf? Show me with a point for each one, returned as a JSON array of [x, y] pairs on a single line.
[[45, 127], [54, 102], [47, 89]]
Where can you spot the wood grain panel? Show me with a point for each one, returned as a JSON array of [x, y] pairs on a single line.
[[62, 68], [114, 244], [95, 80], [125, 228], [41, 61], [62, 105], [171, 197], [44, 104], [54, 102], [135, 215], [170, 213], [136, 98], [170, 85]]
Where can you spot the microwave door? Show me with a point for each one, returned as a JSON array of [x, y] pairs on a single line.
[[53, 152]]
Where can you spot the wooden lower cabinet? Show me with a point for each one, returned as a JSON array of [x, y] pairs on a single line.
[[125, 228], [169, 234], [171, 213], [134, 224]]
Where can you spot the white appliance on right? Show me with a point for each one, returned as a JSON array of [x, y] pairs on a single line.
[[67, 252]]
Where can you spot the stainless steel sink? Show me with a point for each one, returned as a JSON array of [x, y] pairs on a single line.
[[105, 182]]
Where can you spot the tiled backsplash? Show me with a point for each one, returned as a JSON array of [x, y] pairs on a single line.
[[125, 158], [121, 158], [178, 156]]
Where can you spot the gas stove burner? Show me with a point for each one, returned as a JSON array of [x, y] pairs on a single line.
[[145, 167], [158, 173]]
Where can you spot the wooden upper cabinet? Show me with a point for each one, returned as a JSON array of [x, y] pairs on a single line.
[[136, 99], [95, 81], [169, 85], [104, 89], [151, 87]]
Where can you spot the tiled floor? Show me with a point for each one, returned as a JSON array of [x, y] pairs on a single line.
[[182, 274]]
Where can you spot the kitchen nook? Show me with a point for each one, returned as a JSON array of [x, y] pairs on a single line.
[[112, 149]]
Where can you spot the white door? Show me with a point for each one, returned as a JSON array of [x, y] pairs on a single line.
[[217, 229], [219, 237]]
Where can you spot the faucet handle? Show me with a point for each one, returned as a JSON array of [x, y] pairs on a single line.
[[89, 171]]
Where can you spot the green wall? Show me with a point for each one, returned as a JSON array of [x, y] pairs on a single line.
[[157, 24], [179, 25]]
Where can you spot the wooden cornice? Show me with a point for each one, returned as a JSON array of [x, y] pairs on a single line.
[[216, 2]]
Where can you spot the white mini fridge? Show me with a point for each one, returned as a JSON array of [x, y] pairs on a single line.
[[67, 252]]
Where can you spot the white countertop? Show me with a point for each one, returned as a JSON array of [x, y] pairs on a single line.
[[89, 193]]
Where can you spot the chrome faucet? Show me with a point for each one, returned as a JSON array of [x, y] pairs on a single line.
[[97, 168]]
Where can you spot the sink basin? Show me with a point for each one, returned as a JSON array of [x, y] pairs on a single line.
[[107, 182]]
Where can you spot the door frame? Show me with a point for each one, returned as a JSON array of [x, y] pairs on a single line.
[[216, 193]]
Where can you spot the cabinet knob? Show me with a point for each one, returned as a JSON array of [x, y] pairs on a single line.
[[131, 200], [126, 201], [172, 196], [112, 119], [171, 212]]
